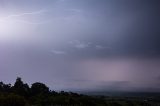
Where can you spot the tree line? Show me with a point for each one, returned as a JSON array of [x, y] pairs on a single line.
[[38, 94], [20, 94], [22, 89]]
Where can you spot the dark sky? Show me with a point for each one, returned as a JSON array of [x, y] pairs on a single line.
[[81, 44]]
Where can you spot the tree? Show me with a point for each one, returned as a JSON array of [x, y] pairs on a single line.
[[12, 100], [5, 87], [39, 88], [21, 88], [1, 87]]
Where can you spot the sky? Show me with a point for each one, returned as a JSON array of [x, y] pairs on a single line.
[[81, 45]]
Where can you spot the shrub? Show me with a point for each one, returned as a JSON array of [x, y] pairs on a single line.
[[12, 100]]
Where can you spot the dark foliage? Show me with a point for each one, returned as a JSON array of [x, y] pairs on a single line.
[[20, 88], [39, 88], [20, 94]]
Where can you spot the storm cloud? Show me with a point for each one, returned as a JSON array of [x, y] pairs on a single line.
[[98, 44]]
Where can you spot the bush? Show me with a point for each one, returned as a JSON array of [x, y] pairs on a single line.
[[12, 100]]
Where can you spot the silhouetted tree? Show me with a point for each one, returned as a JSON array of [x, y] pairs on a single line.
[[21, 88], [39, 88], [1, 87], [20, 94], [5, 87]]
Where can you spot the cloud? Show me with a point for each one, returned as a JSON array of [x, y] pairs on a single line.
[[100, 47], [13, 17], [80, 45], [99, 85], [58, 52], [158, 78], [113, 85], [26, 13], [75, 10], [61, 0]]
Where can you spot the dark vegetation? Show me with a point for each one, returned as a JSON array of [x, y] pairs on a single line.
[[20, 94]]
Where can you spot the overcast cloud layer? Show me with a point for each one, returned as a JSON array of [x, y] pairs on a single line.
[[98, 44]]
